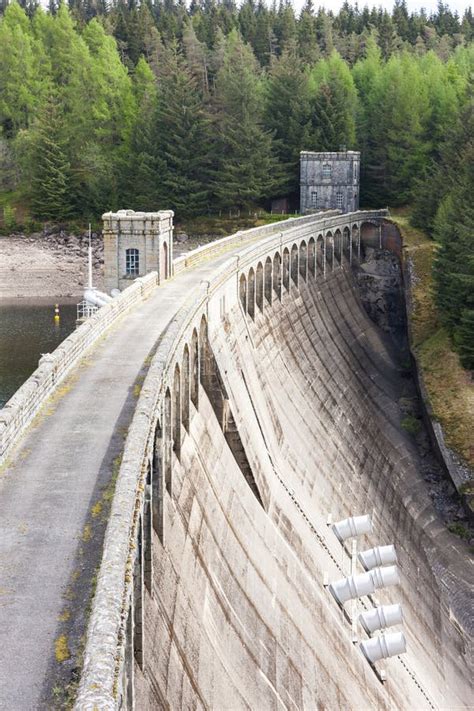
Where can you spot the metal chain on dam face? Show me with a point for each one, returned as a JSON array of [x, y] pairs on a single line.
[[271, 403], [271, 541]]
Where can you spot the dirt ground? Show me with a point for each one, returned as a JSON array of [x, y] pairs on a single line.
[[47, 265]]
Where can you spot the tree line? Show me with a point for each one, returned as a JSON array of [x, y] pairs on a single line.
[[193, 127], [159, 106], [271, 28]]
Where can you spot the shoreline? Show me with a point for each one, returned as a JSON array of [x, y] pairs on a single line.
[[46, 266]]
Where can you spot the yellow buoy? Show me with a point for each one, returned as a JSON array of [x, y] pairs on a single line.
[[56, 312]]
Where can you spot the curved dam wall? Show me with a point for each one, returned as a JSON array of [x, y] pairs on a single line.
[[271, 403]]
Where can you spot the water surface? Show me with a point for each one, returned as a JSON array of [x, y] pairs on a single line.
[[28, 329]]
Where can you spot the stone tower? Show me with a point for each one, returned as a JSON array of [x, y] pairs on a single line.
[[136, 243], [329, 181]]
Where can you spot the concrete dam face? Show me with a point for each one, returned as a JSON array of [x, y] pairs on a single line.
[[280, 409]]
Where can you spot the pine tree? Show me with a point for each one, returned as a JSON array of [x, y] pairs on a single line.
[[333, 104], [247, 168], [197, 58], [441, 173], [183, 137], [307, 44], [287, 114], [454, 264], [142, 166], [50, 183], [465, 334]]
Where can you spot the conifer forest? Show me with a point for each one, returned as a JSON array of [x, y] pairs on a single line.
[[205, 106]]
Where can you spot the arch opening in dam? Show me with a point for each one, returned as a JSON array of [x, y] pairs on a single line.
[[289, 412]]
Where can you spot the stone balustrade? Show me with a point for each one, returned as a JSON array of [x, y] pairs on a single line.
[[25, 404]]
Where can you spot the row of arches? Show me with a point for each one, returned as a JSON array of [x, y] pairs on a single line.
[[180, 394], [315, 258], [194, 367]]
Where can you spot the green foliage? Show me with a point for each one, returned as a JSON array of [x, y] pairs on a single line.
[[454, 263], [287, 115], [459, 530], [50, 176], [183, 139], [20, 76], [411, 424], [169, 106], [247, 169], [333, 104], [9, 219]]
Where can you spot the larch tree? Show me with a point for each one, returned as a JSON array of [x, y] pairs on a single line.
[[50, 171], [21, 83]]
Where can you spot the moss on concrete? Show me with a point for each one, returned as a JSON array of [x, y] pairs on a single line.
[[61, 649]]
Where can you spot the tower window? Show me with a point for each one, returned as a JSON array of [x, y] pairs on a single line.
[[132, 262], [314, 198], [339, 200], [327, 170]]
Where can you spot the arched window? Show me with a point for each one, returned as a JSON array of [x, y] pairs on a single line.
[[186, 394], [251, 294], [277, 275], [177, 412], [268, 279], [338, 246], [312, 257], [243, 292], [346, 243], [194, 368], [259, 286], [303, 260], [286, 269], [132, 262], [168, 429], [330, 250], [294, 264]]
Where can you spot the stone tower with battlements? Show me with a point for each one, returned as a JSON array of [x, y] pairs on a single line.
[[136, 243], [329, 181]]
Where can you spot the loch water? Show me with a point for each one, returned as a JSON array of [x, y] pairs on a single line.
[[27, 330]]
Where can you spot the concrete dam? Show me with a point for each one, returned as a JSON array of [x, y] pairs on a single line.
[[271, 409]]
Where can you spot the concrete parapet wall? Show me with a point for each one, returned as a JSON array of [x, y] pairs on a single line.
[[23, 406], [26, 402], [244, 237]]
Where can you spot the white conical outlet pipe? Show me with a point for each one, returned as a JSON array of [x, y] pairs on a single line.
[[352, 587], [381, 555], [384, 646], [384, 577], [353, 526], [381, 617]]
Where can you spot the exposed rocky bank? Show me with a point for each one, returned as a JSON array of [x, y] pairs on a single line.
[[379, 278], [51, 263], [54, 263]]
